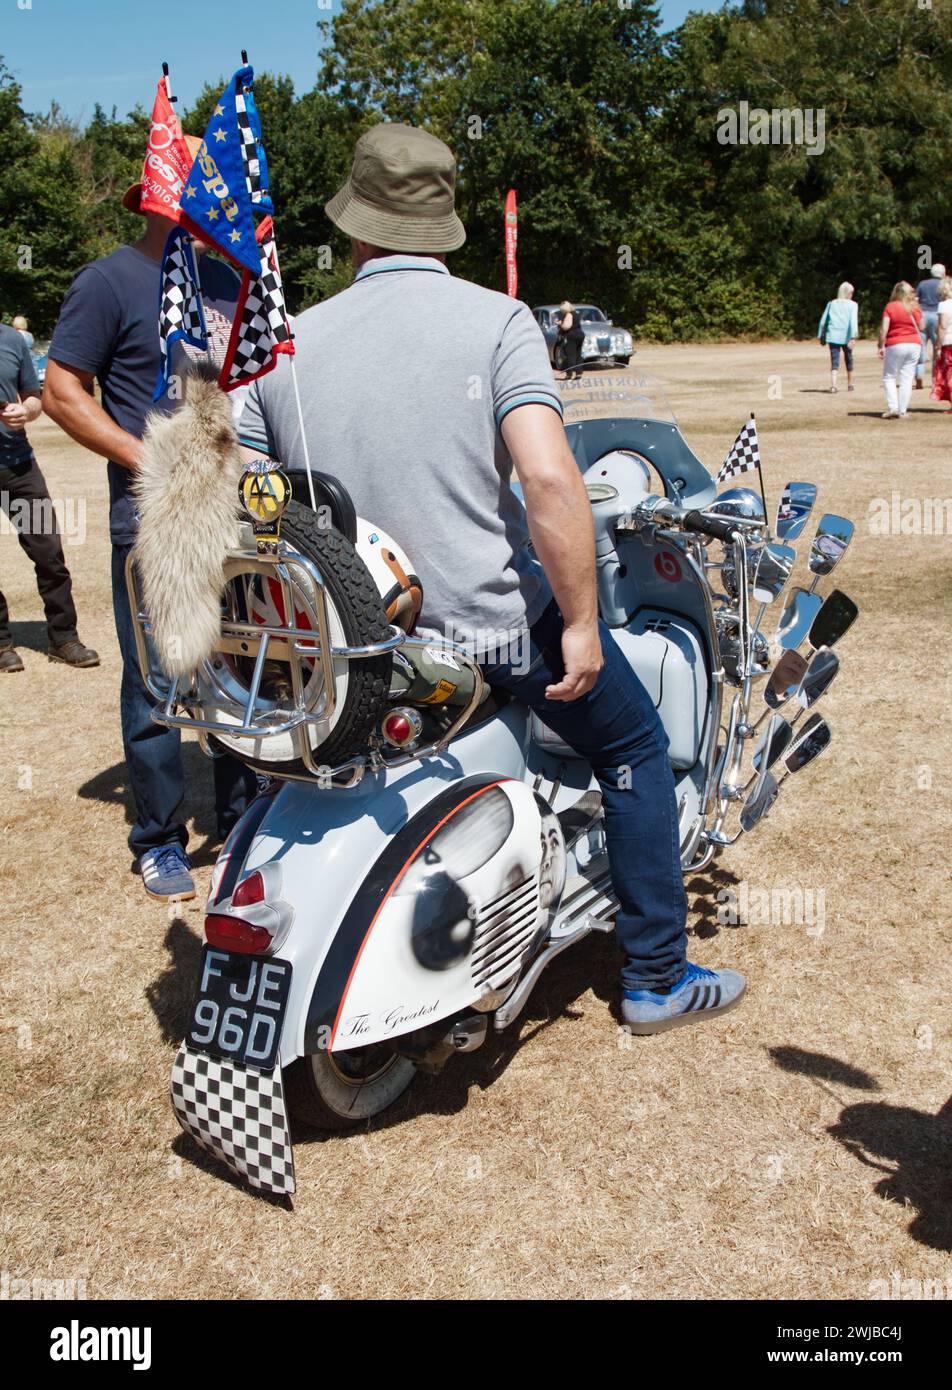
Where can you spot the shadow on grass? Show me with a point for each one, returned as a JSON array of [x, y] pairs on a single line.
[[706, 886], [817, 1064], [31, 636], [190, 1151], [912, 1149], [112, 787], [170, 995], [878, 414]]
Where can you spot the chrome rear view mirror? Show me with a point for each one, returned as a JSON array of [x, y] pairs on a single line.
[[821, 671], [794, 510], [784, 679], [774, 743], [813, 739], [773, 571], [833, 535], [836, 616], [759, 802], [797, 618]]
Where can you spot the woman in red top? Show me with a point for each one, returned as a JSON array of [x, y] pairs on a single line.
[[899, 347]]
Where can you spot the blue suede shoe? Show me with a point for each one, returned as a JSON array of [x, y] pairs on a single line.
[[166, 873], [699, 994]]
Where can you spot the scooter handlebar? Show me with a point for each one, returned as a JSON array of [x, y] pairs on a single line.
[[718, 527]]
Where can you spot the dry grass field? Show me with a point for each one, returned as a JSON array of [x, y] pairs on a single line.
[[798, 1148]]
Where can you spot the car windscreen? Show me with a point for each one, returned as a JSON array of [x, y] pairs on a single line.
[[588, 313]]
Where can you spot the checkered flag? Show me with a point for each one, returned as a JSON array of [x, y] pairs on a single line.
[[261, 329], [181, 316], [744, 454], [253, 159], [249, 149]]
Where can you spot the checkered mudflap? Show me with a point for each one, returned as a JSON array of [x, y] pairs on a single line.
[[238, 1115]]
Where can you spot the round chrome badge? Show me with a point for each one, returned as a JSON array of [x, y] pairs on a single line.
[[265, 492]]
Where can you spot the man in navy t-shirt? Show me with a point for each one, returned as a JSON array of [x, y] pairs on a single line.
[[108, 332], [927, 292]]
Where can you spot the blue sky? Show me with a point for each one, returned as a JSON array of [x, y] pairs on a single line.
[[78, 52]]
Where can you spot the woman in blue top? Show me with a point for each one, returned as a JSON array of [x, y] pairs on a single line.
[[839, 329]]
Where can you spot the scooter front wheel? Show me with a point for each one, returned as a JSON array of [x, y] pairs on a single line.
[[340, 1090]]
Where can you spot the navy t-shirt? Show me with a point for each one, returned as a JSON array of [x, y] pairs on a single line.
[[108, 325], [928, 293], [17, 379]]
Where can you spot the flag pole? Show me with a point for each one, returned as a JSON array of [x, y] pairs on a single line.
[[297, 390], [300, 415], [760, 475], [168, 83]]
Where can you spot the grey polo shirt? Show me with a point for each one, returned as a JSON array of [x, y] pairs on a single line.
[[405, 377]]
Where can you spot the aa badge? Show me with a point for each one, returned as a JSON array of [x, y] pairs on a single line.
[[265, 492]]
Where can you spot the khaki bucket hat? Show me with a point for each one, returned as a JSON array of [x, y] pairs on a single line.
[[400, 192]]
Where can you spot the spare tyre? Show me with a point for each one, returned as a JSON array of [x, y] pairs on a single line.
[[356, 617]]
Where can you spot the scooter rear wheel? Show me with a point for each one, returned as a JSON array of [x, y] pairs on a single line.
[[364, 684], [337, 1091]]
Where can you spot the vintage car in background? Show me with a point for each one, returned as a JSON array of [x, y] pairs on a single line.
[[604, 345], [40, 355]]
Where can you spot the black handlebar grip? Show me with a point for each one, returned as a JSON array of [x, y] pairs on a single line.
[[709, 526]]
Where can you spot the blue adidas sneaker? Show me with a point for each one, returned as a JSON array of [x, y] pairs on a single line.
[[699, 994], [166, 873]]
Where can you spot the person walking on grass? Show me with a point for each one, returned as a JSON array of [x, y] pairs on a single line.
[[573, 336], [899, 346], [942, 352], [927, 292], [23, 328], [839, 329]]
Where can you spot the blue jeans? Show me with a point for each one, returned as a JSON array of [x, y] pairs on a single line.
[[154, 753], [617, 729], [835, 350], [929, 334]]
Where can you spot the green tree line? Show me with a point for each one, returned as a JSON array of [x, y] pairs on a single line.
[[638, 189]]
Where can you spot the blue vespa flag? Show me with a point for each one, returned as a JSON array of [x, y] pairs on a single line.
[[228, 180]]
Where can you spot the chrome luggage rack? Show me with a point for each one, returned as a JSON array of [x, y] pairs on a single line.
[[248, 714]]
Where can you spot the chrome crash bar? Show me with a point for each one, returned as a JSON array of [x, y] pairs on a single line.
[[181, 707]]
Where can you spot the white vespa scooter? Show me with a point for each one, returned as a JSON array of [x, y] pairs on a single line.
[[425, 847]]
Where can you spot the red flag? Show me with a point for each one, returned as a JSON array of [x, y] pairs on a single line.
[[512, 235], [261, 328], [168, 158]]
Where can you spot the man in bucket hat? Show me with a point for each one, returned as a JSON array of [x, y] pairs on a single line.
[[420, 391], [108, 331]]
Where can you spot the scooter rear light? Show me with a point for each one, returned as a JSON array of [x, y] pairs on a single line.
[[249, 891], [401, 726], [234, 934]]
